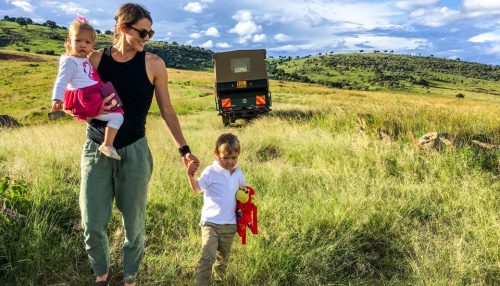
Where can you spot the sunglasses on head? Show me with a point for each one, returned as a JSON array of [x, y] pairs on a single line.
[[142, 32]]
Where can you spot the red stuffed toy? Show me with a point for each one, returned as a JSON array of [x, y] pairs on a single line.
[[246, 213]]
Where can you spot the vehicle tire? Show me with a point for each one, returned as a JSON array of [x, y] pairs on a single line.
[[226, 120]]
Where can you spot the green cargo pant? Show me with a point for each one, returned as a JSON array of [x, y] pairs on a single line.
[[125, 181], [217, 240]]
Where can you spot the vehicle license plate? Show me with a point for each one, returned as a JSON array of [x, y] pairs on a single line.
[[241, 84]]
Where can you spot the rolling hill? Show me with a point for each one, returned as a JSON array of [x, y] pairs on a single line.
[[50, 40], [375, 71]]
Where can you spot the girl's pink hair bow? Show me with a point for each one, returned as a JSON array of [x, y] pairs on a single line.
[[82, 19]]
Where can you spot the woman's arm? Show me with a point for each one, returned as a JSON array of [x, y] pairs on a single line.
[[156, 67]]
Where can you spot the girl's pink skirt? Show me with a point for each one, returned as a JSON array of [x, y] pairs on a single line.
[[84, 102]]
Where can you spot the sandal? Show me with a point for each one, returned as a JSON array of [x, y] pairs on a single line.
[[108, 279]]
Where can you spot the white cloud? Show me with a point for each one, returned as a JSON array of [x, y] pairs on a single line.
[[386, 42], [190, 42], [435, 17], [294, 48], [486, 37], [208, 44], [195, 35], [280, 37], [70, 8], [409, 5], [476, 8], [194, 7], [358, 42], [493, 50], [304, 15], [245, 27], [258, 38], [197, 7], [23, 4], [223, 45], [213, 32], [95, 23]]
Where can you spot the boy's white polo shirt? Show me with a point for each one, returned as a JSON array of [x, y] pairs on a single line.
[[219, 189]]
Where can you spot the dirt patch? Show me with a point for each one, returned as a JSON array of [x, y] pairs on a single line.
[[205, 89], [20, 58]]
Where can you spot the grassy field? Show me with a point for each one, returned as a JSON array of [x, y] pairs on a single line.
[[337, 206]]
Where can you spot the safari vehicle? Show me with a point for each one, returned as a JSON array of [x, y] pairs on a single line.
[[241, 84]]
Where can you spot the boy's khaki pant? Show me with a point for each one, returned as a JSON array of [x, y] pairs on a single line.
[[126, 182], [217, 240]]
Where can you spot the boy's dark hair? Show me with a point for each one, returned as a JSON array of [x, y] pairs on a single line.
[[229, 143]]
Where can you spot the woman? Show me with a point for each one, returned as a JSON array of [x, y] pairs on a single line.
[[135, 74]]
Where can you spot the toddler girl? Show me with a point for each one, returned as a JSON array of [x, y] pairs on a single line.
[[78, 85]]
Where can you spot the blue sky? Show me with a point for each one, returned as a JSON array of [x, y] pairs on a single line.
[[465, 29]]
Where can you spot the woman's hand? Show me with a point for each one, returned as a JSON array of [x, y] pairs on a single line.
[[112, 104]]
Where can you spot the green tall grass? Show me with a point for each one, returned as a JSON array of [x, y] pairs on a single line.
[[336, 205]]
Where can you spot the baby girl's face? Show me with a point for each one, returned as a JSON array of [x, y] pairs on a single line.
[[81, 44]]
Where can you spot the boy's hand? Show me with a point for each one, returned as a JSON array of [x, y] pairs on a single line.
[[193, 167], [57, 105], [189, 159]]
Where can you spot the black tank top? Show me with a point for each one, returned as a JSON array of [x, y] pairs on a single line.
[[136, 92]]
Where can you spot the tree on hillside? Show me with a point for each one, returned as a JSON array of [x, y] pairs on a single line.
[[50, 24], [22, 22]]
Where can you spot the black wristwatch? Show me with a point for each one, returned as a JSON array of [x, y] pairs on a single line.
[[184, 150]]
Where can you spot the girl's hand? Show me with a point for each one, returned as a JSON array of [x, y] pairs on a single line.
[[57, 105]]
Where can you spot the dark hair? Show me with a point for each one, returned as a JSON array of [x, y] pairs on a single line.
[[229, 143], [129, 14]]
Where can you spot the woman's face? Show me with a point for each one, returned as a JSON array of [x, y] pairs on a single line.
[[133, 34]]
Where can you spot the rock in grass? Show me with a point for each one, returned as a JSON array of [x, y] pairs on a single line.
[[434, 141], [8, 121]]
